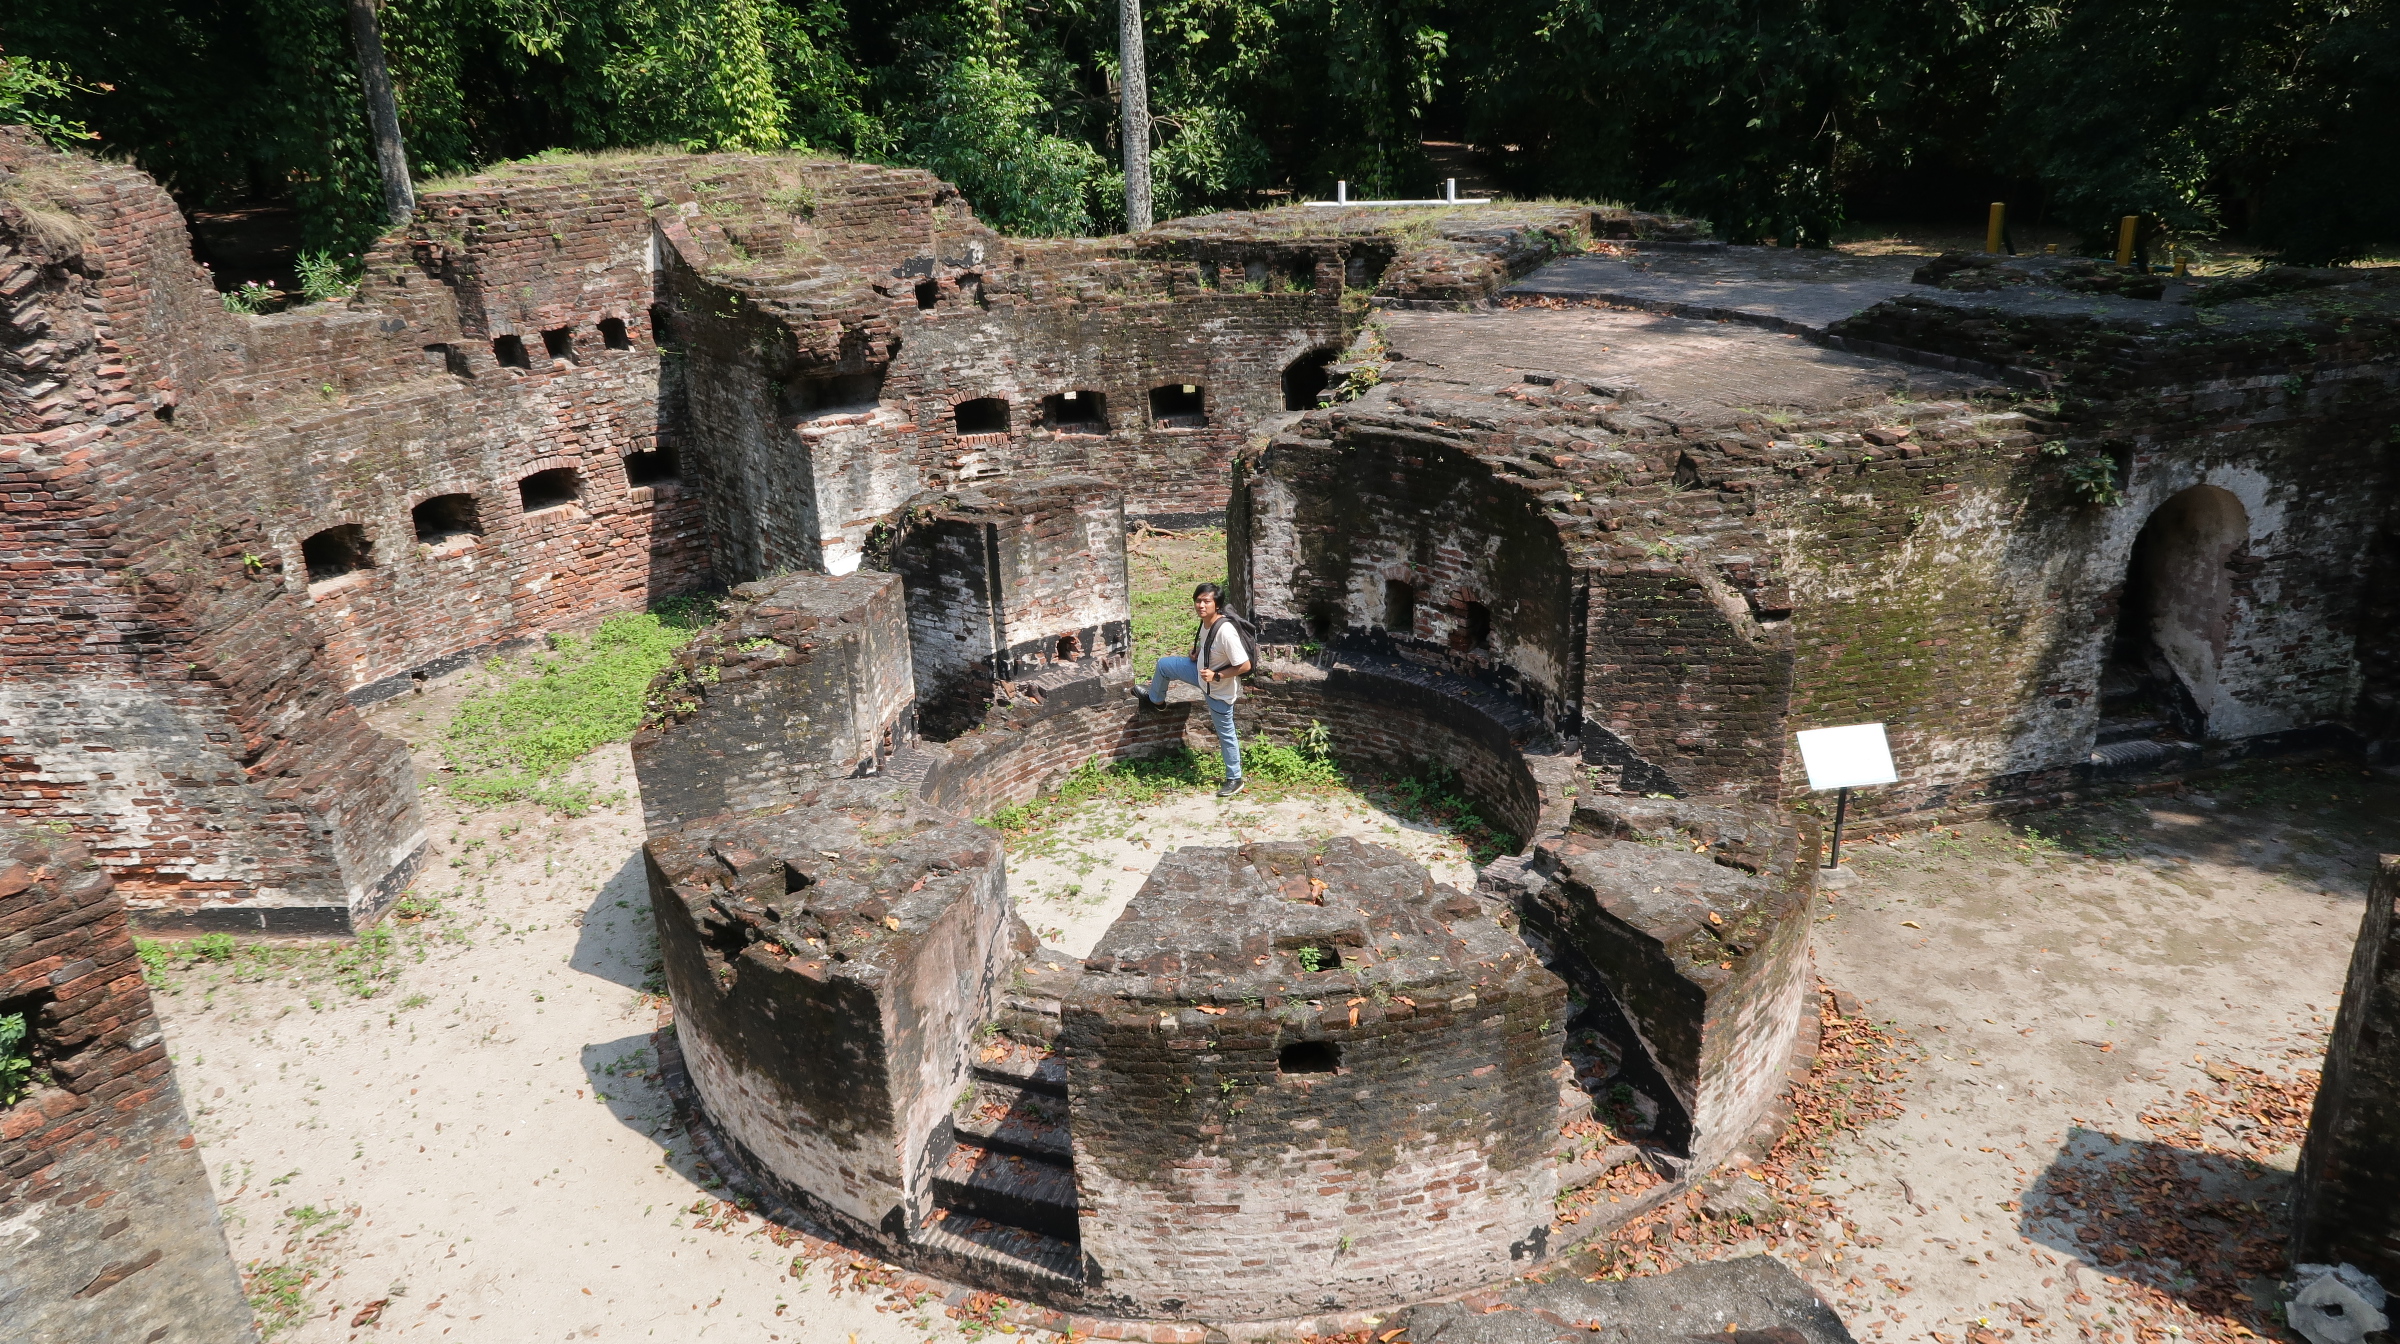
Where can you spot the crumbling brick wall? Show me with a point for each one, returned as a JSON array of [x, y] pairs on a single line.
[[1694, 918], [805, 679], [2346, 1201], [830, 961], [116, 1230], [1007, 580], [1240, 1138], [165, 701]]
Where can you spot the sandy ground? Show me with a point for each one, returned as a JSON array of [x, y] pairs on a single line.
[[479, 1147], [2056, 996]]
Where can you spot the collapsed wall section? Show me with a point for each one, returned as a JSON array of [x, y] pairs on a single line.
[[1237, 1049], [1011, 579], [114, 1231], [1692, 918], [830, 960], [806, 679]]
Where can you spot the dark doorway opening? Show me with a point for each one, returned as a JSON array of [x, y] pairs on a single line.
[[1479, 626], [2173, 621], [1399, 607], [337, 551], [1304, 380]]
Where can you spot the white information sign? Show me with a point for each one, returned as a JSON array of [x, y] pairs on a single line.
[[1847, 758]]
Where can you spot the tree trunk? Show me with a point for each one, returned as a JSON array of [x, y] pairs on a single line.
[[383, 112], [1133, 92]]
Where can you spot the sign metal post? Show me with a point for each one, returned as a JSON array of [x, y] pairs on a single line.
[[1843, 759]]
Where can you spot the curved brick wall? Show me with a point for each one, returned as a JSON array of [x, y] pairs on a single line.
[[1262, 1136], [830, 961]]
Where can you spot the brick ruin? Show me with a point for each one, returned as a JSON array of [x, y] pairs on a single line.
[[1509, 491]]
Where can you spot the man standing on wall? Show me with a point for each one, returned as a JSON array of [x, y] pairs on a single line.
[[1220, 658]]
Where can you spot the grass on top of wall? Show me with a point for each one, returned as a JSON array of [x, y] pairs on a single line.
[[514, 739], [1162, 568]]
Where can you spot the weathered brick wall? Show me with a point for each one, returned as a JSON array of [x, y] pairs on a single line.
[[1009, 579], [1681, 675], [1239, 1136], [1694, 918], [162, 697], [2346, 1201], [1324, 526], [830, 962], [806, 679], [114, 1230]]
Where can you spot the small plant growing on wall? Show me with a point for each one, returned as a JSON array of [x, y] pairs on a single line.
[[2096, 477], [16, 1058]]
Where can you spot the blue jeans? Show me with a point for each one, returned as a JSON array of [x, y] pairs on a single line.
[[1220, 712]]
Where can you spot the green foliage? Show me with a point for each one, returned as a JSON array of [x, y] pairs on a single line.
[[31, 90], [322, 278], [252, 298], [1163, 568], [1771, 118], [16, 1058], [514, 738], [1432, 794]]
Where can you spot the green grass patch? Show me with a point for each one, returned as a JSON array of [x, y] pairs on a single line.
[[513, 740], [1162, 568], [361, 967], [16, 1058]]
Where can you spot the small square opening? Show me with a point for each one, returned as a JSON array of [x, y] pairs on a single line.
[[550, 489], [613, 334], [1179, 406], [929, 292], [337, 551], [655, 467], [559, 342], [832, 394], [1479, 626], [983, 415], [510, 351], [1309, 1057], [1399, 607], [1077, 412], [446, 518]]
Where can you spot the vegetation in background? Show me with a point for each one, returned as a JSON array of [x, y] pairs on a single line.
[[1769, 118], [1162, 569], [16, 1058], [514, 739], [362, 967]]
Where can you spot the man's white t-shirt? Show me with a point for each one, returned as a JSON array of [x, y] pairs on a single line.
[[1220, 646]]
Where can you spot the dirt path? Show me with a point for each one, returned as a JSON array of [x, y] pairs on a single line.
[[2059, 992]]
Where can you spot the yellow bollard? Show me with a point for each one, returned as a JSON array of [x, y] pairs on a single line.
[[2049, 249], [2183, 262], [2125, 228], [1993, 229]]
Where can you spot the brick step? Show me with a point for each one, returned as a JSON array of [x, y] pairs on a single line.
[[1001, 1059], [1012, 1119], [2130, 729], [988, 1251], [1034, 1193]]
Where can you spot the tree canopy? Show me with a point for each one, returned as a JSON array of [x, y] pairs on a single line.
[[1770, 118]]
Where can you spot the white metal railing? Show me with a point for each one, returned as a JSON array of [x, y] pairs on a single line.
[[1341, 196]]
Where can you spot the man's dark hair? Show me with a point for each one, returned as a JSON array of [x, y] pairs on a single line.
[[1211, 591]]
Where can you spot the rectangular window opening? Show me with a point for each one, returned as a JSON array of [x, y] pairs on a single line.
[[613, 335], [1179, 406], [658, 466], [337, 551], [510, 351], [559, 342], [446, 520], [1399, 607], [552, 489]]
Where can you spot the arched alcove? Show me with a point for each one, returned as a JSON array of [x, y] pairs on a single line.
[[2175, 617]]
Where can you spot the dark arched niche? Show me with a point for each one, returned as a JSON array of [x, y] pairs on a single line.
[[2177, 612]]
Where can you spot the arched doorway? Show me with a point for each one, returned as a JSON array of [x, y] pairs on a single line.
[[2174, 619]]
